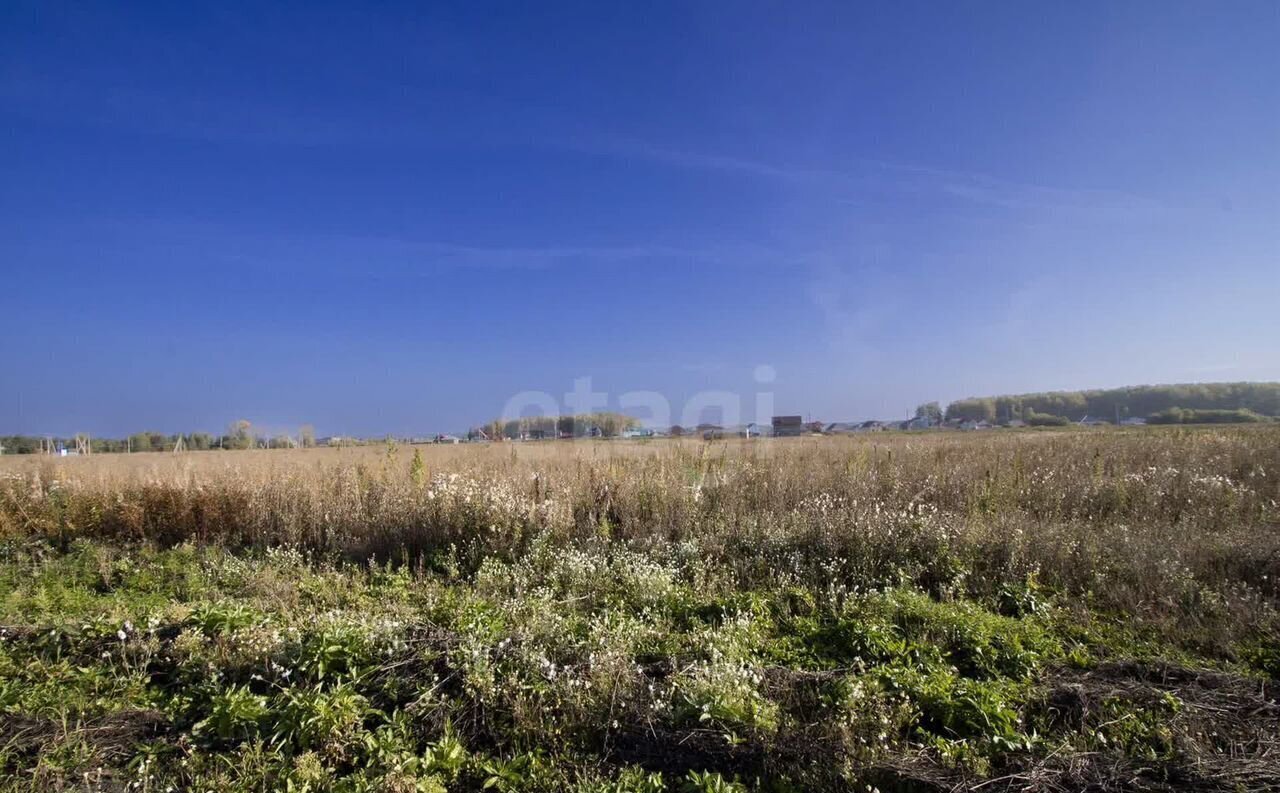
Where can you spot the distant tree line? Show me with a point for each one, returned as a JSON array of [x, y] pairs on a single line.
[[1035, 419], [1193, 416], [137, 442], [607, 425], [239, 435], [1262, 399]]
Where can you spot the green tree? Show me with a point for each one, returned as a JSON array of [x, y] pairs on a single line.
[[931, 411], [240, 435]]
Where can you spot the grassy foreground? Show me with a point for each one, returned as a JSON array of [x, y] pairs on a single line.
[[1012, 610]]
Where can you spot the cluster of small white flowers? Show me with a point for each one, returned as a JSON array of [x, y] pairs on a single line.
[[495, 504], [258, 641], [823, 504], [1161, 482], [1217, 482], [285, 556], [722, 683]]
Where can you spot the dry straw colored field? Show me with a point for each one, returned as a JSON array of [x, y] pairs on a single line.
[[1013, 609], [1102, 511]]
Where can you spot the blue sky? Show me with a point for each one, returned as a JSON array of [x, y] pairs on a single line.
[[379, 218]]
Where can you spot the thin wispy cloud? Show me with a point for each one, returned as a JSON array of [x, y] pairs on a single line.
[[191, 242], [633, 149], [117, 102], [120, 103], [888, 176]]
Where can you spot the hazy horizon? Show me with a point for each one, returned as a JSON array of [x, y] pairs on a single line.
[[393, 222]]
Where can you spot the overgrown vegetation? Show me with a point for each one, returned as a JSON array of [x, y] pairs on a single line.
[[919, 612]]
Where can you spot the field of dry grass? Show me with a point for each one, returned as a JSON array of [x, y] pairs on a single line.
[[1019, 609]]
